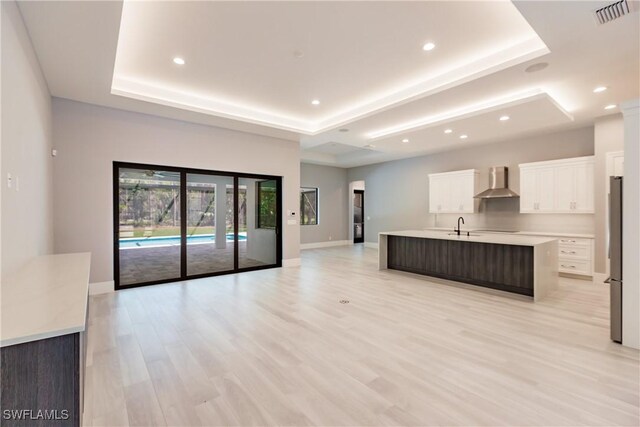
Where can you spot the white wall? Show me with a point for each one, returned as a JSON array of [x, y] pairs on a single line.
[[333, 199], [630, 226], [90, 138], [27, 208], [396, 195], [608, 137]]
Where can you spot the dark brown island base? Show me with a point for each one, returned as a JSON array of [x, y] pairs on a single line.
[[523, 265]]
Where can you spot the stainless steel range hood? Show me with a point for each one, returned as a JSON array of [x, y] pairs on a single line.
[[498, 184]]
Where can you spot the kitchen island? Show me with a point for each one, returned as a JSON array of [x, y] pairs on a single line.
[[525, 265]]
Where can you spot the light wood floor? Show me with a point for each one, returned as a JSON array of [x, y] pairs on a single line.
[[277, 347]]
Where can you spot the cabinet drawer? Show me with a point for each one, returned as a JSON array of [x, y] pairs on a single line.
[[575, 266], [573, 241], [574, 252]]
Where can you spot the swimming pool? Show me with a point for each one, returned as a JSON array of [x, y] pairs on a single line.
[[138, 242]]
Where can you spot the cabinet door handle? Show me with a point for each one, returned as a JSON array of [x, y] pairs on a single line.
[[567, 241], [568, 252], [567, 266]]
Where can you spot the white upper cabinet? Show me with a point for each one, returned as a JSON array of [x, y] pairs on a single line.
[[557, 186], [535, 190], [452, 192]]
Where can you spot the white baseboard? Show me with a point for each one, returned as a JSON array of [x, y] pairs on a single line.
[[328, 244], [291, 262], [599, 278], [371, 245], [101, 287]]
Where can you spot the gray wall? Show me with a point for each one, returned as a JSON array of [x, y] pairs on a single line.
[[90, 138], [397, 191], [333, 201], [608, 136], [26, 225]]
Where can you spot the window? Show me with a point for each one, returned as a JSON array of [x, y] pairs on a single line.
[[266, 204], [308, 206]]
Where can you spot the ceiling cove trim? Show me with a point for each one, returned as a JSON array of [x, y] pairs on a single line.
[[488, 105], [485, 64]]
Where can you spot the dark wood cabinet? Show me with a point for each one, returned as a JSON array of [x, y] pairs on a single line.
[[42, 381], [504, 267]]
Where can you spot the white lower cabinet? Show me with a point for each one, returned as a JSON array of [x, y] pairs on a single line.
[[557, 186], [575, 255]]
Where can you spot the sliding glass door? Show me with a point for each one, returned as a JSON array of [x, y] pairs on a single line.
[[148, 225], [258, 219], [210, 224], [176, 223]]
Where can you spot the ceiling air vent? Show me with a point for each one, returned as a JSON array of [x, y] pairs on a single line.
[[612, 12]]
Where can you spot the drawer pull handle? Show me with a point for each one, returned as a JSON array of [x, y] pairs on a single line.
[[567, 241], [568, 266], [568, 252]]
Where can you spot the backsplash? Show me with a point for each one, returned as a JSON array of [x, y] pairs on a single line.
[[504, 214]]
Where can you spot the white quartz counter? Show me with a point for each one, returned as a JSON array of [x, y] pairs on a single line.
[[479, 237], [46, 299]]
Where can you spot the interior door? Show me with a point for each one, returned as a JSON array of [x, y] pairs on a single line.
[[358, 216]]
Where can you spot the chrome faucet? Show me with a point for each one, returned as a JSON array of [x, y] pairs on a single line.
[[458, 230]]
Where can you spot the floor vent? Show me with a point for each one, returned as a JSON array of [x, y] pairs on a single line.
[[613, 11]]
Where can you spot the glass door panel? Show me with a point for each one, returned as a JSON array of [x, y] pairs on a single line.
[[258, 222], [210, 242], [358, 216], [148, 226]]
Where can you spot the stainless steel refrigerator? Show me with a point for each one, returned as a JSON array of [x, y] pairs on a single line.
[[615, 256]]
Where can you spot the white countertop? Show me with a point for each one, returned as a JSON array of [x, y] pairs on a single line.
[[499, 238], [525, 233], [47, 298]]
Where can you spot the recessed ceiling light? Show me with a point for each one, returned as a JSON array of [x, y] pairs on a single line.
[[504, 118], [179, 61], [428, 46], [448, 131], [536, 67], [404, 141], [315, 102], [343, 130], [610, 107], [463, 136], [600, 89]]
